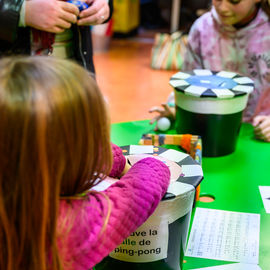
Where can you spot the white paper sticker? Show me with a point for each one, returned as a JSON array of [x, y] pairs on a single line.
[[174, 155], [202, 72], [147, 244], [233, 266], [223, 93], [191, 170], [226, 74], [175, 83], [265, 193], [225, 235], [181, 75], [243, 80], [243, 88], [103, 185], [178, 188], [141, 149], [195, 90]]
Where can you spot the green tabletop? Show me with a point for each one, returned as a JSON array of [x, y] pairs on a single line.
[[233, 180]]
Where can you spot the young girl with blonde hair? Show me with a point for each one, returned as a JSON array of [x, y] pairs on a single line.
[[54, 147]]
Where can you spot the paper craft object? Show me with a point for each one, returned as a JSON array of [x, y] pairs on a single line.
[[192, 144]]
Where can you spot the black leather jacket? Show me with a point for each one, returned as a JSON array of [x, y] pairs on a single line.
[[16, 40]]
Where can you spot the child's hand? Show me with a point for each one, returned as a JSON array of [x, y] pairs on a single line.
[[163, 111], [261, 125]]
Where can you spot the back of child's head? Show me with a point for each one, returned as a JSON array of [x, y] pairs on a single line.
[[54, 141]]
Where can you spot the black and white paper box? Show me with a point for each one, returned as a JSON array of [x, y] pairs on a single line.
[[160, 242], [210, 104]]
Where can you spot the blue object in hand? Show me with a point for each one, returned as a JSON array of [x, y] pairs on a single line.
[[81, 5]]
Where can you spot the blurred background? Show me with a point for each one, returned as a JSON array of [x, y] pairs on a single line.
[[122, 53]]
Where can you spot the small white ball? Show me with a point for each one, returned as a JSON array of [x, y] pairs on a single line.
[[163, 124]]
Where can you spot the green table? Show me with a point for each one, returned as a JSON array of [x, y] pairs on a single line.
[[233, 180]]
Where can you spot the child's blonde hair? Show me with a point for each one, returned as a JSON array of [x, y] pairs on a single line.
[[54, 141]]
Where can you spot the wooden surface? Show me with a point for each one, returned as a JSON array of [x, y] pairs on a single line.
[[127, 81]]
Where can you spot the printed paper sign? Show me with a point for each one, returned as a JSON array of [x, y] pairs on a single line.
[[225, 235], [147, 244], [234, 266]]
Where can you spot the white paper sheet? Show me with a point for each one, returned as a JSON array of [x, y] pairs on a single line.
[[233, 266], [192, 170], [225, 235], [265, 193], [141, 149], [173, 155]]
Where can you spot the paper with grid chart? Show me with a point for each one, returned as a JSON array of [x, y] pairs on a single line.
[[233, 266], [225, 235]]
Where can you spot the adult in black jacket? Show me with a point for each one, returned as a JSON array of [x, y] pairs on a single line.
[[50, 16]]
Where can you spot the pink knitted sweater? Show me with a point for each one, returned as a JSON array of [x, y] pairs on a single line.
[[83, 240]]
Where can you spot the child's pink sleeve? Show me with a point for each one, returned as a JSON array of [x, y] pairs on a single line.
[[119, 161], [123, 207]]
